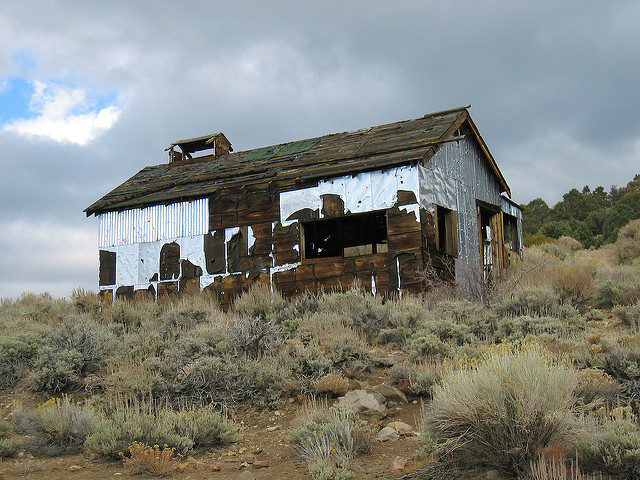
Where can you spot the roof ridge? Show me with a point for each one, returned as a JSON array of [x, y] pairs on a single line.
[[442, 112]]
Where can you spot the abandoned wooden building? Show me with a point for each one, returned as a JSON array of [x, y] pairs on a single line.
[[383, 206]]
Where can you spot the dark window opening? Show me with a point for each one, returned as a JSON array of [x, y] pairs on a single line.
[[107, 270], [447, 230], [353, 235], [169, 261], [510, 227]]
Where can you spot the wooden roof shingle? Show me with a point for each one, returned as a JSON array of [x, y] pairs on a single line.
[[321, 157]]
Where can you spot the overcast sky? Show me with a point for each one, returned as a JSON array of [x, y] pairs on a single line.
[[91, 92]]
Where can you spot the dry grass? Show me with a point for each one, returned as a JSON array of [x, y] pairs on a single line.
[[156, 460], [334, 384], [546, 468]]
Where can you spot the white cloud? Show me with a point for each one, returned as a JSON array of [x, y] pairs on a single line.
[[64, 115]]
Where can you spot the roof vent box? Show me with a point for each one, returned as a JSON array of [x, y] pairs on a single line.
[[216, 141]]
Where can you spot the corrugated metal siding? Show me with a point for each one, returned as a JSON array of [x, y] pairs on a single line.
[[515, 211], [510, 208], [157, 222], [455, 177]]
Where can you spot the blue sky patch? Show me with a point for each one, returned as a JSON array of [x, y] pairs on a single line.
[[15, 95]]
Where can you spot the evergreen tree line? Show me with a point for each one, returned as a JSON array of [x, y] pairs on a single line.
[[593, 217]]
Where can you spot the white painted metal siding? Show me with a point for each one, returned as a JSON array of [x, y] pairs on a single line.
[[157, 222], [362, 192]]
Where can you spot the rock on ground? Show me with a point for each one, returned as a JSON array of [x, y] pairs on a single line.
[[398, 465], [390, 394], [387, 434], [401, 427], [364, 402]]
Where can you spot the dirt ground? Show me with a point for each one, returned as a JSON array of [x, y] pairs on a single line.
[[260, 442]]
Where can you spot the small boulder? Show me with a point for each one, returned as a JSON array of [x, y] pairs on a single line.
[[261, 464], [402, 428], [384, 362], [246, 475], [75, 468], [387, 434], [398, 465], [390, 394], [364, 402]]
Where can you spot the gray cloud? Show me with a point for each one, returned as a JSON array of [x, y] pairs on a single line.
[[553, 89]]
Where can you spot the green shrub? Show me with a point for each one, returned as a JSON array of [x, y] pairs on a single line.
[[477, 320], [514, 328], [187, 313], [131, 315], [73, 348], [223, 380], [15, 354], [9, 447], [594, 315], [182, 430], [55, 427], [449, 326], [424, 344], [532, 301], [143, 343], [135, 378], [325, 470], [30, 309], [414, 379], [555, 250], [537, 239], [207, 339], [295, 309], [327, 345], [611, 292], [629, 315], [614, 448], [5, 428], [334, 435], [259, 301], [407, 312], [391, 335], [56, 370], [618, 356], [627, 247], [360, 310], [254, 336], [497, 413]]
